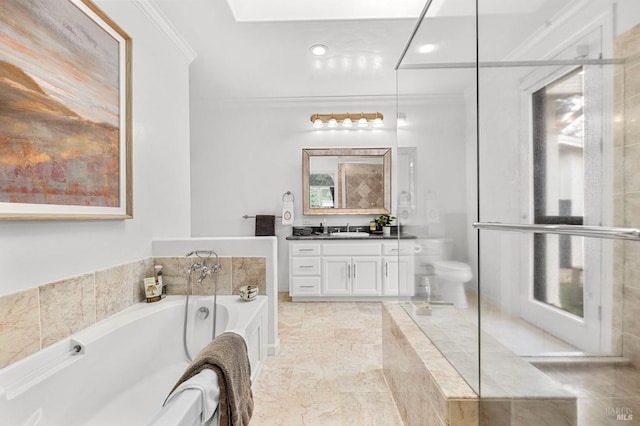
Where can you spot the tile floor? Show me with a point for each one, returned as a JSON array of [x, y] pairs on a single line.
[[329, 370]]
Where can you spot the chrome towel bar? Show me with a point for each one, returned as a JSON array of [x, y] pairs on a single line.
[[575, 230]]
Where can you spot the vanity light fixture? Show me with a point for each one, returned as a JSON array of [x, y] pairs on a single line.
[[364, 120]]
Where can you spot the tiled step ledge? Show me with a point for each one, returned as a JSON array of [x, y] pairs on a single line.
[[428, 390]]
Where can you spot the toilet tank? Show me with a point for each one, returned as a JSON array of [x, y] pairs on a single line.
[[433, 249]]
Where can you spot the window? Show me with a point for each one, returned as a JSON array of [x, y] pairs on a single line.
[[558, 155]]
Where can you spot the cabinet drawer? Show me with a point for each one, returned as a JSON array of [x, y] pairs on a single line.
[[345, 249], [393, 249], [305, 286], [305, 266], [305, 249]]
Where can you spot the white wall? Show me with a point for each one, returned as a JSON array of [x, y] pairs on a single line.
[[435, 126], [246, 154], [33, 253]]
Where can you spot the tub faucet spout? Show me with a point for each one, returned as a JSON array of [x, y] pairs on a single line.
[[204, 272]]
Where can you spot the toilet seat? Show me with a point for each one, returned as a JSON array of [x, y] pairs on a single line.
[[453, 270]]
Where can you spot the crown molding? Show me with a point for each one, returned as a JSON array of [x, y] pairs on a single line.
[[164, 25]]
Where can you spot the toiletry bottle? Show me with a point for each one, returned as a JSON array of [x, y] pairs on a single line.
[[158, 274]]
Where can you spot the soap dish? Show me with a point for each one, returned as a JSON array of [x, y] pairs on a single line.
[[248, 292]]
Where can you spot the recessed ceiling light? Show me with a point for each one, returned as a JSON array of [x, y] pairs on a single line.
[[318, 49], [427, 48]]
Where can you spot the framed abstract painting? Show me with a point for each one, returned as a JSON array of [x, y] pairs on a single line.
[[65, 112]]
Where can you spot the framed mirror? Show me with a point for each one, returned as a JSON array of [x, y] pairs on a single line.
[[346, 181]]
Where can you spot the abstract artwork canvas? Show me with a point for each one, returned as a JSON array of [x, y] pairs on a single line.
[[65, 116]]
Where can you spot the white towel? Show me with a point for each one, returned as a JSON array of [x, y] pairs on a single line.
[[207, 383], [287, 212]]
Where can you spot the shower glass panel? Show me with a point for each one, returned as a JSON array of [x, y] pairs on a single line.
[[436, 86], [522, 116]]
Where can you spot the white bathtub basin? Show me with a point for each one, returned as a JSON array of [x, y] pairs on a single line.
[[128, 364]]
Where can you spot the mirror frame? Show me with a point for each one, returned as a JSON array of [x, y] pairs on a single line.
[[384, 153]]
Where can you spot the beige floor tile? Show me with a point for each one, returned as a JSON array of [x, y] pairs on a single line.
[[329, 370]]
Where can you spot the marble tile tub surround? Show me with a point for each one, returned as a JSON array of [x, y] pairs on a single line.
[[38, 317], [235, 272]]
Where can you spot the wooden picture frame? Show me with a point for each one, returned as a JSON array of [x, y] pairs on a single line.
[[65, 112]]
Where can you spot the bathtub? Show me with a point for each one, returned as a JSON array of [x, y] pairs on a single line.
[[120, 370]]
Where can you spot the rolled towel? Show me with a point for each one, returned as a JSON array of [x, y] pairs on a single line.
[[227, 356], [206, 382]]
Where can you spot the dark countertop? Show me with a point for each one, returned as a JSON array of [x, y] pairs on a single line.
[[336, 236]]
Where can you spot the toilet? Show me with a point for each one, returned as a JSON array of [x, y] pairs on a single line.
[[444, 276], [452, 276]]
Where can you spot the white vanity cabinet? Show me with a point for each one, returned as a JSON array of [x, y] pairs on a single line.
[[346, 269]]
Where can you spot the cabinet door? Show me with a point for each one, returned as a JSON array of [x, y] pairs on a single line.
[[396, 276], [365, 276], [336, 276], [390, 276]]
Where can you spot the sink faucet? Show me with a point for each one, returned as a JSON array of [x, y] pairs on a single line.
[[347, 226]]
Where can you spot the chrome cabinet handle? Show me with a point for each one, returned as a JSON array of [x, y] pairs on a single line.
[[307, 286], [305, 249], [386, 269], [354, 271], [305, 266], [349, 271]]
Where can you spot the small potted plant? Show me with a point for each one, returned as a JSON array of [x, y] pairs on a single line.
[[383, 222]]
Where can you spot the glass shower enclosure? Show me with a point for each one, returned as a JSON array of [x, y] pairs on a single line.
[[518, 171]]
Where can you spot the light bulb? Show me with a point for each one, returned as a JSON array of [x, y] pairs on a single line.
[[333, 123], [318, 124], [378, 122], [347, 122], [318, 49], [362, 122], [427, 48]]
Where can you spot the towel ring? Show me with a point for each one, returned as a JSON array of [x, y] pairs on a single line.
[[287, 195]]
